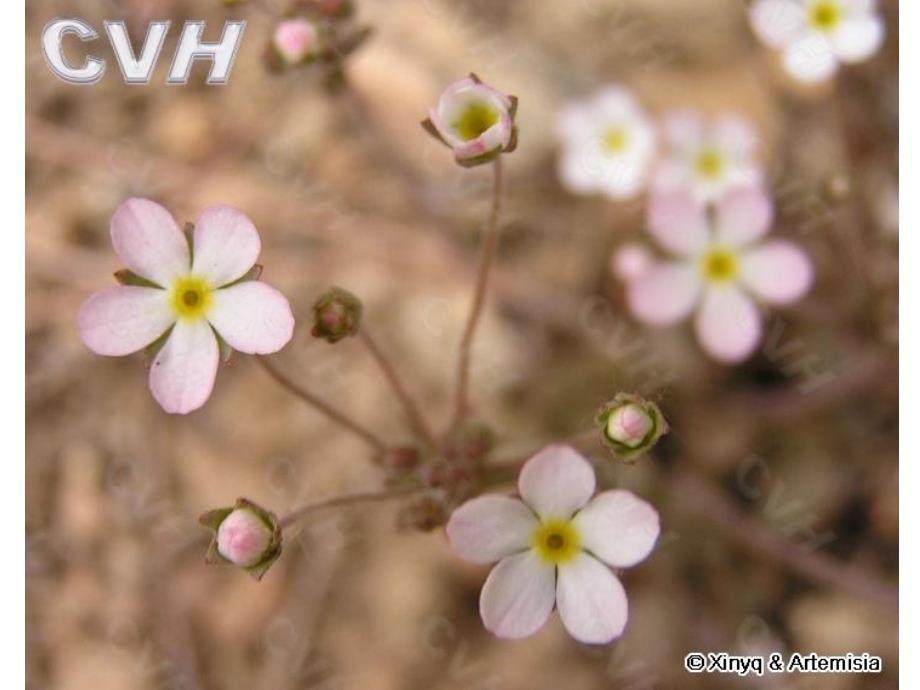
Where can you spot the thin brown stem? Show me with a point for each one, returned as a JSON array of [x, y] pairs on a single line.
[[322, 406], [487, 259], [345, 499], [413, 414]]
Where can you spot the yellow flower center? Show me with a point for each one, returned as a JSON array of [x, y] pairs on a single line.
[[615, 140], [825, 15], [556, 541], [720, 265], [191, 297], [475, 119], [709, 164]]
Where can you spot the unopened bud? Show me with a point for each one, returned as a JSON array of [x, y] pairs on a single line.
[[424, 513], [296, 41], [244, 535], [336, 315], [631, 425]]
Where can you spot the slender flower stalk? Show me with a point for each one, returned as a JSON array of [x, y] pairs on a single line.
[[322, 406], [489, 252], [345, 499], [413, 414]]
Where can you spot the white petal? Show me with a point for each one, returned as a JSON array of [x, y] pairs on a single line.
[[778, 272], [592, 603], [728, 324], [488, 528], [226, 245], [665, 293], [518, 596], [678, 222], [618, 527], [182, 375], [778, 22], [146, 237], [858, 38], [742, 216], [683, 130], [124, 319], [556, 482], [810, 59], [252, 317]]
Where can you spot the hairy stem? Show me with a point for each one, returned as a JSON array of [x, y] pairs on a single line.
[[345, 499]]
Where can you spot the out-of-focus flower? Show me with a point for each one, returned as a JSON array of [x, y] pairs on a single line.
[[718, 269], [816, 35], [336, 315], [245, 535], [630, 261], [554, 547], [474, 120], [631, 425], [608, 145], [187, 301], [296, 40], [707, 158]]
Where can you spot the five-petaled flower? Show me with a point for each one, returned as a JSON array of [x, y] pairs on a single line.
[[608, 145], [475, 120], [816, 35], [707, 158], [718, 269], [188, 300], [555, 546]]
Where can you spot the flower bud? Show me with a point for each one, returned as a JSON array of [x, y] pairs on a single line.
[[244, 535], [296, 41], [631, 425], [474, 120], [336, 315], [424, 513]]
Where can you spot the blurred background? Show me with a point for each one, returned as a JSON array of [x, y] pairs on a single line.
[[777, 487]]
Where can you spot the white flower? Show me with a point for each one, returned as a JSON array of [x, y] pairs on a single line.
[[554, 547], [707, 158], [608, 145], [816, 35], [718, 270]]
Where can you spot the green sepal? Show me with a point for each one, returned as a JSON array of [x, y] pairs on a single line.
[[253, 273], [126, 277], [153, 349], [513, 141], [512, 111], [481, 159]]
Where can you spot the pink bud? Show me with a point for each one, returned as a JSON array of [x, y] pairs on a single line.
[[630, 261], [629, 425], [296, 40], [243, 538]]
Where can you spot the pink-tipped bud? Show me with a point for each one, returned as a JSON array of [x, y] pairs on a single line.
[[296, 40], [336, 315], [628, 425], [630, 261], [631, 425], [243, 538]]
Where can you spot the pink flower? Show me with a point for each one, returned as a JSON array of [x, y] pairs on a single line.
[[707, 158], [296, 40], [190, 295], [243, 538], [554, 547], [474, 120], [718, 270], [630, 261]]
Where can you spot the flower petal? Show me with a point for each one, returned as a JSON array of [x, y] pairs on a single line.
[[858, 38], [778, 22], [778, 272], [488, 528], [124, 319], [182, 375], [810, 58], [252, 317], [683, 130], [618, 528], [742, 216], [664, 293], [148, 240], [678, 222], [592, 602], [518, 596], [556, 482], [728, 324], [226, 245]]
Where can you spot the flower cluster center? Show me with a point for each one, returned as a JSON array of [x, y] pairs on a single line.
[[191, 297], [709, 164], [556, 541], [615, 140], [825, 14], [720, 265], [475, 119]]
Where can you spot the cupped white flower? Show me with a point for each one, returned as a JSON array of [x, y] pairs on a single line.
[[187, 295], [475, 120], [608, 144], [707, 158], [555, 547], [816, 35], [718, 270]]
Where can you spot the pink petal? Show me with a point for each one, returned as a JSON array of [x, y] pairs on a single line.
[[518, 596], [618, 528], [678, 222], [735, 136], [488, 528], [592, 603], [664, 293], [778, 22], [858, 38], [226, 245], [683, 130], [124, 319], [778, 272], [743, 215], [182, 375], [630, 261], [149, 242], [252, 317], [728, 324], [556, 482]]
